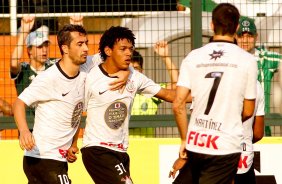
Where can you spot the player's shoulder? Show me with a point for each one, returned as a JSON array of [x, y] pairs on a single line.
[[91, 62], [50, 71], [136, 75]]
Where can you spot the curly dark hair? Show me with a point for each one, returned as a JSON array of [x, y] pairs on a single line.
[[111, 36]]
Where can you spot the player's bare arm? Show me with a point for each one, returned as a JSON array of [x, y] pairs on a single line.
[[166, 94], [170, 94], [258, 128], [26, 138], [179, 109], [248, 109], [73, 150]]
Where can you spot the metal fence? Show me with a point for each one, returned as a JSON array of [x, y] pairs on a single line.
[[151, 21]]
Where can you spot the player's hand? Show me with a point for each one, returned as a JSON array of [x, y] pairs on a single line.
[[178, 164], [182, 150], [26, 140], [71, 154], [161, 48], [27, 23], [76, 20], [120, 82]]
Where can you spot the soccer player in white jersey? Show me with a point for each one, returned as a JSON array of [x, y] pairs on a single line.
[[253, 132], [105, 139], [58, 95], [221, 78]]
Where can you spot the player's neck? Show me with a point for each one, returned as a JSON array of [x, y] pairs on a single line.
[[224, 37], [109, 67], [69, 67]]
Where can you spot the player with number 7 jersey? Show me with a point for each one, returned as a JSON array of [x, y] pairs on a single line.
[[221, 78], [219, 83]]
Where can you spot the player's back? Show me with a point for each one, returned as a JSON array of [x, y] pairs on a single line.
[[220, 77]]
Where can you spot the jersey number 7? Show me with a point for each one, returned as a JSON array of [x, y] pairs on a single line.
[[217, 77]]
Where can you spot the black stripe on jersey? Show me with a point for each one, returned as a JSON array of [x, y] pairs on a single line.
[[61, 70], [106, 73]]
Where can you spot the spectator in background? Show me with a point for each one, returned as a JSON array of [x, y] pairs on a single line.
[[253, 132], [37, 43], [268, 62], [5, 108], [179, 6], [143, 105]]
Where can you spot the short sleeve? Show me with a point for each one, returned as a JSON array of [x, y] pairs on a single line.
[[40, 89], [184, 77]]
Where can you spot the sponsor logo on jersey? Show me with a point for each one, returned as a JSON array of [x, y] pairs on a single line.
[[63, 153], [216, 54], [102, 92], [64, 94], [202, 140], [115, 115], [243, 162], [110, 144], [76, 115]]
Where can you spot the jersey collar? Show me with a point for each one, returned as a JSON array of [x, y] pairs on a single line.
[[212, 40], [104, 72], [62, 71]]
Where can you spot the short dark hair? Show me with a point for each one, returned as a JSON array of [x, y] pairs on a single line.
[[111, 36], [64, 35], [136, 57], [225, 18]]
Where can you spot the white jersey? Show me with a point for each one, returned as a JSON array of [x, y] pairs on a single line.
[[58, 100], [247, 155], [220, 76], [108, 112]]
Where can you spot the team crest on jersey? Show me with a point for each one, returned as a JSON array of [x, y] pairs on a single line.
[[76, 115], [216, 54], [115, 115], [130, 86]]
